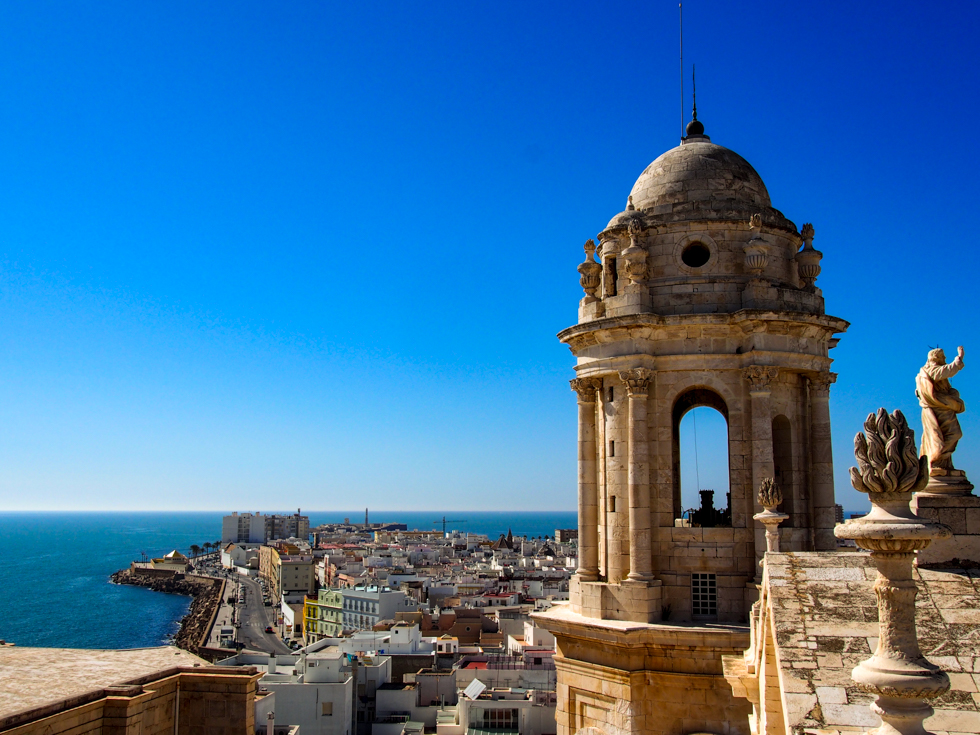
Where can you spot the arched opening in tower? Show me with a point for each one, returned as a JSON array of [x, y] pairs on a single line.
[[701, 460]]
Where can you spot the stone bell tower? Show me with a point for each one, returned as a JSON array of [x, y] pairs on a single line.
[[703, 295]]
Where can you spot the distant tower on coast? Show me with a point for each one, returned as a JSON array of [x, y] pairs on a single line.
[[366, 518], [703, 295]]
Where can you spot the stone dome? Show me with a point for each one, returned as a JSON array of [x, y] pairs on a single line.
[[699, 180], [699, 171]]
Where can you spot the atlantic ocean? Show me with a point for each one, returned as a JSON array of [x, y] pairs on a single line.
[[54, 575]]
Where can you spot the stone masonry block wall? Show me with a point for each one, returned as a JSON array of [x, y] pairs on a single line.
[[670, 691]]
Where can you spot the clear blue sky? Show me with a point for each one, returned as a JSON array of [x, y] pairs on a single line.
[[262, 255]]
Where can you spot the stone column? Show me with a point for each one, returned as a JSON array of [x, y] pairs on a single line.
[[889, 470], [588, 495], [638, 474], [822, 462], [759, 377]]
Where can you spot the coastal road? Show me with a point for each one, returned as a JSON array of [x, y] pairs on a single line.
[[254, 617]]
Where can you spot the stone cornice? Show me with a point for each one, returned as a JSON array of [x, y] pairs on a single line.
[[742, 318], [561, 620], [653, 327], [787, 362], [773, 221]]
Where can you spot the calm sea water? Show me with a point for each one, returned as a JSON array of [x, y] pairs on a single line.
[[54, 568]]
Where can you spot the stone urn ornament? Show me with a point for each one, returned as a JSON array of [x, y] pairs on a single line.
[[808, 259], [590, 271], [757, 250], [634, 255], [889, 470]]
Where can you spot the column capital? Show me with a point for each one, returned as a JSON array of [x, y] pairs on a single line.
[[820, 384], [637, 380], [586, 388], [759, 377]]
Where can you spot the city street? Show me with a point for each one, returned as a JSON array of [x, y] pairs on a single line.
[[253, 617]]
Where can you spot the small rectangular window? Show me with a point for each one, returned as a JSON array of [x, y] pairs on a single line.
[[612, 394], [326, 708], [612, 503], [704, 594], [612, 447]]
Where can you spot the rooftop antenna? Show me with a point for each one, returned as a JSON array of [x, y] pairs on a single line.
[[694, 90], [680, 10]]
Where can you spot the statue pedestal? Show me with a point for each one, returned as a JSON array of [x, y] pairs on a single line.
[[961, 513], [638, 602], [948, 485]]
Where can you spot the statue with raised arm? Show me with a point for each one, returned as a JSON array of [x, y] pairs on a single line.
[[940, 403]]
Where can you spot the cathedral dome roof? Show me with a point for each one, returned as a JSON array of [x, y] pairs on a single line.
[[699, 180], [699, 171]]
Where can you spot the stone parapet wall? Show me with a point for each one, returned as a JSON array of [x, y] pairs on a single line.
[[181, 701]]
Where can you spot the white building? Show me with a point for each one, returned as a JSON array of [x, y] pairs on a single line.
[[314, 691], [365, 607], [256, 528], [246, 528], [524, 711]]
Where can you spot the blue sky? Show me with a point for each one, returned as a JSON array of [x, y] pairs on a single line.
[[258, 255]]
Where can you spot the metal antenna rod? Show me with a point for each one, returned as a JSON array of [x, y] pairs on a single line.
[[694, 90], [680, 7]]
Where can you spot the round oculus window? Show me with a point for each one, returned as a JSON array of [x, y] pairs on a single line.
[[695, 255]]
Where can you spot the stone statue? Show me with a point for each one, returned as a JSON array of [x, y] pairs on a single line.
[[940, 403]]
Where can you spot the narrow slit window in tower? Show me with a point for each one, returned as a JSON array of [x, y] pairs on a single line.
[[612, 503], [612, 447], [612, 277]]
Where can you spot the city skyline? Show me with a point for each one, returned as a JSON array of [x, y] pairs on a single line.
[[266, 257]]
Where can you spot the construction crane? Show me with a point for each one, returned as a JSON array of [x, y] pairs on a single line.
[[444, 522]]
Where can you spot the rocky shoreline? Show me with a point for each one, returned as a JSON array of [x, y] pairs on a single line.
[[196, 624]]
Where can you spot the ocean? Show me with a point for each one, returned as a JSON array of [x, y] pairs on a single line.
[[54, 575]]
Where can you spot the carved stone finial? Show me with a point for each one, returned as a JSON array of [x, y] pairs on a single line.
[[889, 470], [806, 234], [590, 271], [770, 496], [637, 380], [629, 204], [888, 463], [759, 377]]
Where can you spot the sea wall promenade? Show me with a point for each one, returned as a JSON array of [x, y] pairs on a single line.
[[195, 627]]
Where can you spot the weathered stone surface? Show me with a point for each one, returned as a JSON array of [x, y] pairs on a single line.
[[822, 621]]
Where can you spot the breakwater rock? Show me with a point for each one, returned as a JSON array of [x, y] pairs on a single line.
[[196, 624]]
